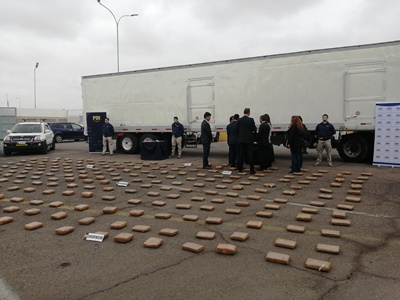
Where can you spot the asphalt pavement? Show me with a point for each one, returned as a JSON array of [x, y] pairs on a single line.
[[363, 200]]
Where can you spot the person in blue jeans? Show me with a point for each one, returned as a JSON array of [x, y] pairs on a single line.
[[295, 132]]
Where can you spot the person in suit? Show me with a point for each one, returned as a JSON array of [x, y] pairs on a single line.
[[233, 140], [246, 128], [206, 139], [263, 141]]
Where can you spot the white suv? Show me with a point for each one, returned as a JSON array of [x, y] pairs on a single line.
[[29, 136]]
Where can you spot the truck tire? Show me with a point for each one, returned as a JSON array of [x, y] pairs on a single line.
[[353, 148], [58, 138], [129, 143], [149, 136]]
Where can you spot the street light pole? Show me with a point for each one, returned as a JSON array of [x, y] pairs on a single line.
[[117, 24], [34, 82]]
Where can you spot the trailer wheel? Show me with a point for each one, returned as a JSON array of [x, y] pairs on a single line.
[[129, 143], [353, 148], [149, 136]]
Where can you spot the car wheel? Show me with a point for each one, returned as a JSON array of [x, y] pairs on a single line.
[[44, 148], [58, 138], [6, 152]]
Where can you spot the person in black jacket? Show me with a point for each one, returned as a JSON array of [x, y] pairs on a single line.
[[295, 132], [325, 132], [246, 128], [206, 139], [263, 143], [108, 132], [176, 140], [233, 140]]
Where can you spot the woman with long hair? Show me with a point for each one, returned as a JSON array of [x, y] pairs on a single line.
[[295, 145]]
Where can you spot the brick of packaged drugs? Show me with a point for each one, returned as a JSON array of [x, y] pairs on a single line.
[[327, 191], [5, 220], [234, 211], [209, 192], [242, 203], [183, 206], [278, 258], [59, 215], [218, 200], [153, 194], [153, 242], [64, 230], [158, 203], [344, 207], [332, 249], [173, 196], [254, 224], [10, 209], [68, 193], [239, 236], [284, 243], [141, 228], [207, 207], [108, 197], [353, 192], [87, 194], [319, 265], [264, 214], [325, 196], [280, 200], [81, 207], [260, 190], [253, 197], [289, 192], [340, 214], [33, 225], [207, 235], [295, 228], [86, 221], [192, 218], [168, 231], [197, 198], [340, 222], [304, 217], [136, 212], [232, 194], [213, 220], [162, 216], [118, 224], [353, 199], [317, 203], [309, 210], [134, 201], [272, 206], [227, 249], [330, 233], [17, 199], [32, 211], [36, 202], [123, 237], [193, 247]]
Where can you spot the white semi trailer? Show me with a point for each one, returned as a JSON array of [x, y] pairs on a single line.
[[343, 82]]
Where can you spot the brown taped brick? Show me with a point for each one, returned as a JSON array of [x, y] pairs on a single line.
[[234, 176], [59, 215], [168, 231], [162, 216], [254, 178], [357, 181], [134, 201], [272, 206], [289, 177], [317, 203], [207, 207], [193, 247], [29, 190], [311, 178], [191, 179], [10, 209], [304, 217], [130, 191], [56, 204], [304, 181], [141, 228], [332, 249], [210, 179], [118, 224], [81, 207], [335, 184], [153, 194], [165, 188], [218, 200], [232, 194], [296, 187], [146, 185], [5, 220], [326, 191], [86, 221], [110, 210], [242, 203], [198, 198], [362, 178], [234, 211], [209, 192], [173, 196], [279, 258], [123, 237], [242, 183], [32, 211], [325, 196], [33, 225], [176, 182], [319, 265], [227, 249], [356, 186], [64, 230], [270, 185], [153, 242], [227, 181], [330, 233], [284, 180], [213, 220], [290, 244], [344, 207], [340, 222], [37, 182], [340, 214], [221, 186], [353, 199], [13, 188], [158, 203], [280, 200], [73, 185], [261, 191], [253, 197], [183, 206], [206, 235], [185, 190], [87, 194], [368, 174], [136, 212], [289, 192], [68, 193], [353, 192], [192, 218], [108, 197], [264, 214], [17, 199], [296, 228], [309, 210], [136, 180], [239, 236], [254, 224]]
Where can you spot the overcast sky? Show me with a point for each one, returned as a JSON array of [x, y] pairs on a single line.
[[73, 38]]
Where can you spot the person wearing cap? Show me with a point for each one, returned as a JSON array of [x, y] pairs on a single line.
[[108, 132], [206, 139], [325, 132], [176, 140]]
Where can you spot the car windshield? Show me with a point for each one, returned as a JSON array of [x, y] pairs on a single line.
[[27, 128]]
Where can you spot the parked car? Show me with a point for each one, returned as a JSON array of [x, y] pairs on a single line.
[[29, 137], [67, 131]]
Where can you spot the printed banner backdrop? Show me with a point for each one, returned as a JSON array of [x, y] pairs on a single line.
[[387, 135], [94, 123]]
